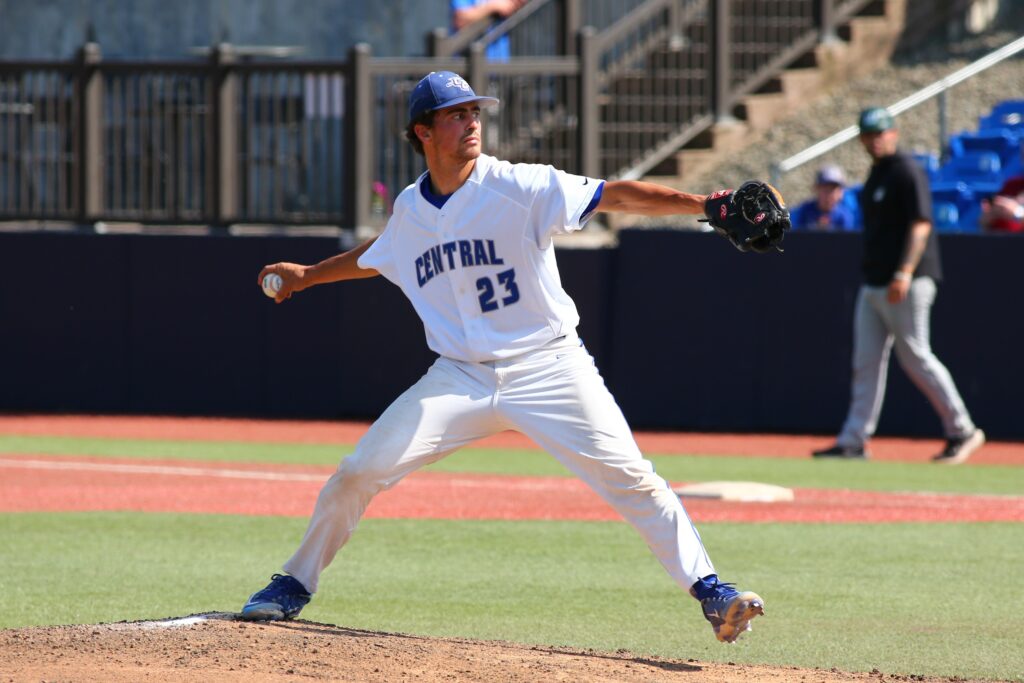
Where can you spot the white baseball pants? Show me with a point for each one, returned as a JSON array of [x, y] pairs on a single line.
[[878, 325], [555, 396]]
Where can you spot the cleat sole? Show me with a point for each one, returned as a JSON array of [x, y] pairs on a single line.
[[744, 608], [269, 612]]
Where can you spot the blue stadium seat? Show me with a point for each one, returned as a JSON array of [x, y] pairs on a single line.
[[969, 219], [946, 216], [1003, 142], [1008, 114], [851, 198], [980, 170], [1012, 122], [929, 162], [955, 207], [1015, 167]]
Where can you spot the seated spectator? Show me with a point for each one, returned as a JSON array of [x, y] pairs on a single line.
[[826, 211], [466, 12], [1004, 212]]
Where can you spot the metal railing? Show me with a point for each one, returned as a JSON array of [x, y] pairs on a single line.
[[154, 135], [40, 139], [937, 89], [540, 28], [666, 69], [226, 141]]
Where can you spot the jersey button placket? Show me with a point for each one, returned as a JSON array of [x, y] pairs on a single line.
[[457, 281]]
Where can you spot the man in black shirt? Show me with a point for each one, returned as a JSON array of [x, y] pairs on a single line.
[[901, 268]]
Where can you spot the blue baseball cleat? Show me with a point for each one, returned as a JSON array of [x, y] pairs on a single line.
[[728, 609], [283, 598]]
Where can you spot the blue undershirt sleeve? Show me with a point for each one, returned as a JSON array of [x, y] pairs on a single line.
[[592, 206]]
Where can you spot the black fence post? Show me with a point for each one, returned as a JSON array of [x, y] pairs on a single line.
[[477, 67], [359, 137], [221, 125], [943, 107], [572, 22], [436, 42], [826, 20], [675, 29], [227, 136], [721, 66], [589, 131], [476, 73], [90, 176]]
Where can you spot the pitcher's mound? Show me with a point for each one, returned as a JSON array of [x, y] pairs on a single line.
[[215, 647]]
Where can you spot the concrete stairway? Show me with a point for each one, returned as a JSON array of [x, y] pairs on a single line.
[[862, 46]]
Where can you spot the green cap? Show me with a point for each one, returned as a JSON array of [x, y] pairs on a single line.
[[875, 120]]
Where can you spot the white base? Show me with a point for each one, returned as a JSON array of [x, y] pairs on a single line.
[[736, 491]]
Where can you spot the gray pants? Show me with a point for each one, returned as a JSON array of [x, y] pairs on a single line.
[[877, 326]]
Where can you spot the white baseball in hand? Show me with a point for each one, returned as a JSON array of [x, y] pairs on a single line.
[[272, 284]]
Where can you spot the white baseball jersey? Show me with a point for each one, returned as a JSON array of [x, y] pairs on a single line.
[[480, 269]]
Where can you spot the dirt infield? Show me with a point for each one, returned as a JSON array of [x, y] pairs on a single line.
[[313, 431], [38, 483], [218, 649]]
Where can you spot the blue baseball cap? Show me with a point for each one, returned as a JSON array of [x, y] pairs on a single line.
[[875, 120], [440, 89]]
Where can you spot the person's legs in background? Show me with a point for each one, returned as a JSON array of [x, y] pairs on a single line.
[[872, 343], [910, 320]]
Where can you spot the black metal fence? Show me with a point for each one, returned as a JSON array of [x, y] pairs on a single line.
[[227, 141]]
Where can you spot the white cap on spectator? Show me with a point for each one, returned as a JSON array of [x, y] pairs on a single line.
[[830, 175]]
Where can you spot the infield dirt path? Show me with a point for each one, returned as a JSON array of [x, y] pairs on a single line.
[[47, 483], [313, 431], [40, 483]]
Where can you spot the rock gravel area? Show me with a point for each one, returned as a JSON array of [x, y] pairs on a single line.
[[833, 111]]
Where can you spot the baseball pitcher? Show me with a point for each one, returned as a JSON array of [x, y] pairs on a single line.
[[470, 245]]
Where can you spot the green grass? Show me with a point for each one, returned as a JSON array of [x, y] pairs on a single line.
[[155, 449], [932, 599], [913, 598], [804, 473]]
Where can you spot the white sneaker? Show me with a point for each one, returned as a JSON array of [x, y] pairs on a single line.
[[958, 450]]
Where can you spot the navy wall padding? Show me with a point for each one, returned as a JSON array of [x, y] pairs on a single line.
[[218, 346], [712, 338], [978, 333], [63, 314], [588, 277], [707, 338], [725, 340], [688, 332]]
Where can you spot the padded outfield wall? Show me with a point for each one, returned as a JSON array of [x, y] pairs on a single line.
[[689, 333]]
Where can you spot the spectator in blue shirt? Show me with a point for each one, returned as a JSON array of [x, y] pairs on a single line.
[[466, 12], [827, 211]]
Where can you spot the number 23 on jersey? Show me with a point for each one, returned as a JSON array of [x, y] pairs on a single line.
[[489, 294]]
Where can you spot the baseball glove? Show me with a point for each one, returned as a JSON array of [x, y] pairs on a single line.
[[754, 217]]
